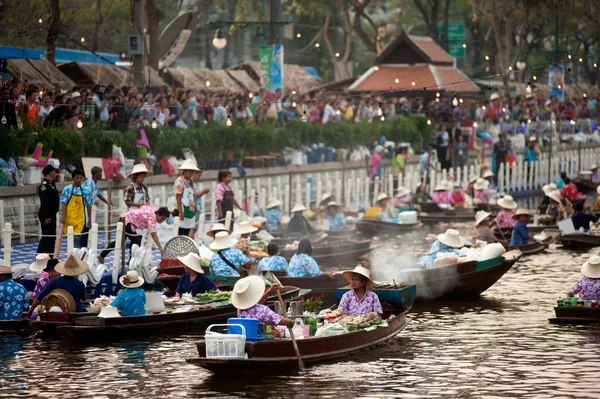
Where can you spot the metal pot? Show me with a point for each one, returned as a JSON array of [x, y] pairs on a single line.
[[297, 308]]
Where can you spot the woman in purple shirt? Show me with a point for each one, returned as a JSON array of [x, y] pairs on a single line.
[[361, 299], [588, 285]]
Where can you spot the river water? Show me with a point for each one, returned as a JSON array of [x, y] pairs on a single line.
[[498, 346]]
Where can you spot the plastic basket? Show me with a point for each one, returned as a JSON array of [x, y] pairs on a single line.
[[225, 346]]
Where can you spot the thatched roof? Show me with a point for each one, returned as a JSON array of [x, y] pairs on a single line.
[[294, 76], [197, 78], [337, 87], [39, 72], [244, 79], [88, 75]]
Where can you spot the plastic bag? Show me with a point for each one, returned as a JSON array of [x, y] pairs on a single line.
[[445, 259], [330, 330]]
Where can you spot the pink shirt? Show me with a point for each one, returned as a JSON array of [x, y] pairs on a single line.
[[375, 161], [481, 195], [143, 218], [504, 218], [442, 198], [220, 191]]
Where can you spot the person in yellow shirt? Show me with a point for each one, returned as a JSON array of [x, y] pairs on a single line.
[[597, 205]]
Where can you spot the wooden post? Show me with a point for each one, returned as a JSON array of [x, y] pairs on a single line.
[[93, 215], [299, 194], [107, 234], [70, 240], [7, 243], [319, 191], [501, 177], [391, 185], [579, 166], [118, 243], [288, 190], [213, 204], [22, 220], [263, 198], [108, 213]]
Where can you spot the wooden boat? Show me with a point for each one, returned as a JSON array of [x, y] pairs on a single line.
[[273, 356], [462, 280], [49, 321], [373, 227], [487, 207], [432, 213], [532, 248], [586, 186], [14, 326], [577, 240], [575, 315], [532, 230]]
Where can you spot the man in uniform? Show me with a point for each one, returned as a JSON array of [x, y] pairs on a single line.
[[49, 205]]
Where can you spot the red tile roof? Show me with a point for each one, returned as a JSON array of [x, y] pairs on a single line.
[[433, 50], [448, 75]]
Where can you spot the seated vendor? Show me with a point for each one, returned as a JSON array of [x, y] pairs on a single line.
[[582, 217], [520, 233], [193, 281], [48, 274], [132, 300], [556, 208], [248, 297], [441, 195], [273, 214], [383, 202], [504, 218], [244, 229], [274, 262], [70, 270], [421, 194], [588, 285], [545, 201], [480, 193], [447, 242], [302, 264], [597, 204], [227, 261], [569, 191], [13, 296], [299, 225], [402, 201], [360, 300], [458, 195], [335, 217], [483, 228]]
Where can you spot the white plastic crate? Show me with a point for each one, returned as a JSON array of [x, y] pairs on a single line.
[[225, 346]]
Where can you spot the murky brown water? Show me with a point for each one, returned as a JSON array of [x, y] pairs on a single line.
[[498, 346]]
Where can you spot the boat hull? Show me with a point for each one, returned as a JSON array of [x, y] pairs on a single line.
[[575, 315], [14, 326], [530, 249], [380, 227], [445, 217], [575, 241]]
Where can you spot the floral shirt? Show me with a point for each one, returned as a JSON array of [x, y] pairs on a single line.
[[262, 313], [504, 218], [569, 191], [91, 186], [220, 191], [481, 195], [353, 306], [143, 218], [83, 190], [273, 264], [442, 198], [219, 268], [242, 244], [302, 265], [41, 283], [335, 223], [131, 302], [426, 261], [273, 217], [13, 300], [180, 185], [587, 288]]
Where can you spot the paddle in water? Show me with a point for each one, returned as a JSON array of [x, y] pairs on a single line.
[[300, 362]]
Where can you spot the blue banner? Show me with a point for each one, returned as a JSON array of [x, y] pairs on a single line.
[[556, 82]]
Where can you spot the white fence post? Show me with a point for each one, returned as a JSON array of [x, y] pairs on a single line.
[[70, 240], [93, 238], [22, 220], [7, 243], [228, 216], [117, 260], [2, 242]]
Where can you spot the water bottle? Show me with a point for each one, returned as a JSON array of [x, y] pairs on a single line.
[[574, 301], [560, 302]]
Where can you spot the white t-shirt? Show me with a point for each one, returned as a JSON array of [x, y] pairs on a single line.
[[328, 113], [44, 112]]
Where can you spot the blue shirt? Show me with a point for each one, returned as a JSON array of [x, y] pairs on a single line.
[[236, 257], [520, 234], [335, 223], [302, 265], [273, 217], [529, 155], [13, 300], [68, 191], [560, 184], [583, 220], [273, 264], [199, 286], [131, 302], [70, 284], [91, 187], [427, 261]]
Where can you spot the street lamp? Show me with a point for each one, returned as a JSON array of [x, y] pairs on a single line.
[[219, 41]]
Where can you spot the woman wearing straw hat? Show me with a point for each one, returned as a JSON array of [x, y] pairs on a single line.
[[441, 196], [193, 281], [46, 266], [302, 264], [299, 225], [335, 217], [597, 204], [70, 270], [383, 202], [326, 198], [556, 208], [244, 229], [227, 261], [483, 228], [136, 193], [132, 300], [248, 297], [402, 201], [360, 300], [450, 241], [458, 195], [272, 213], [13, 296], [545, 201], [274, 262], [520, 233], [588, 285], [480, 193], [185, 205], [504, 218]]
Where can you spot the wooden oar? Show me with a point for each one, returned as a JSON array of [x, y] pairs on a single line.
[[499, 229], [300, 362]]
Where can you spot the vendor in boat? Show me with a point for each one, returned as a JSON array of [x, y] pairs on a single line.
[[244, 229], [132, 300], [326, 198], [450, 241], [441, 196], [274, 263], [480, 193], [545, 201], [504, 218], [193, 281], [520, 233], [227, 261], [273, 214], [216, 228], [597, 204], [314, 214], [483, 228], [561, 182], [299, 225], [595, 174], [471, 187], [488, 175], [569, 191], [49, 273], [248, 297], [556, 208], [302, 264], [421, 194], [70, 270], [458, 195], [361, 299], [583, 216], [335, 217], [402, 201], [588, 285], [13, 296], [383, 203]]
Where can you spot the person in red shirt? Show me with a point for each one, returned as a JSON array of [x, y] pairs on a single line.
[[569, 191]]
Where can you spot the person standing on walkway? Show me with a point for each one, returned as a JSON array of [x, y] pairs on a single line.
[[500, 153], [49, 205], [136, 193], [225, 196], [184, 197], [77, 204], [92, 184]]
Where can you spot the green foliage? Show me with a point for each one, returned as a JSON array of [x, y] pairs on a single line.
[[213, 142]]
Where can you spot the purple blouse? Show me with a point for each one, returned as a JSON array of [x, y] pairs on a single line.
[[352, 306], [587, 288], [41, 283], [262, 313]]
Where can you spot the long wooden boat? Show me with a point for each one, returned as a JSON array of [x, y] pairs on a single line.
[[330, 253], [531, 248], [575, 315], [274, 356], [462, 280], [583, 241], [586, 186], [432, 213], [487, 207], [14, 326], [373, 227]]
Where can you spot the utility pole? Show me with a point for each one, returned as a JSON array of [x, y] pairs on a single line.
[[139, 23]]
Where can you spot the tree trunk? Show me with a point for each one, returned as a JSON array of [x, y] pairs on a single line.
[[153, 17], [98, 24], [53, 29]]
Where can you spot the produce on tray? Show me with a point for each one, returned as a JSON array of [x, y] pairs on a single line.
[[213, 296], [330, 329], [385, 285]]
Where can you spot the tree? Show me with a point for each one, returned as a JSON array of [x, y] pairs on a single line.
[[53, 29], [430, 10]]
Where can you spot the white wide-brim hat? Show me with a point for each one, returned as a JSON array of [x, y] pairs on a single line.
[[452, 239], [532, 138], [402, 192], [6, 270], [488, 173], [131, 280], [481, 216], [41, 260], [363, 271], [481, 184], [507, 202], [247, 292], [521, 212], [334, 204], [473, 178], [441, 186], [298, 207], [273, 203], [139, 168], [244, 227], [188, 164], [222, 241], [382, 196], [192, 261], [217, 227], [325, 197], [591, 268], [555, 195], [594, 167], [72, 267]]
